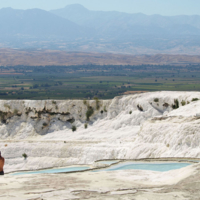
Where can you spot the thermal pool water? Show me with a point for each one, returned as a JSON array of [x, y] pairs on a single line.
[[161, 167], [52, 171]]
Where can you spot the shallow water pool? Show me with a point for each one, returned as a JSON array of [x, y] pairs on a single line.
[[52, 171], [161, 167]]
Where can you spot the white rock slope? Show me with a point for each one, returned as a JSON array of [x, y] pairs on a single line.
[[158, 124]]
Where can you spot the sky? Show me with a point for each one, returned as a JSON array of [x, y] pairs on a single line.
[[149, 7]]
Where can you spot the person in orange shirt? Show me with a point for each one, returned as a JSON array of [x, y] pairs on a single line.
[[2, 161]]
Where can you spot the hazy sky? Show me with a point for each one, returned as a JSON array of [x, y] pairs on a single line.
[[163, 7]]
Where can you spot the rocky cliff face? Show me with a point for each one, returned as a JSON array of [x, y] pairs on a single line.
[[159, 124], [25, 119]]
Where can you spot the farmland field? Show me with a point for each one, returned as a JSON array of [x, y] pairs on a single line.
[[88, 81]]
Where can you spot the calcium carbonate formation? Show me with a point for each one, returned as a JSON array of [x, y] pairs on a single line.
[[148, 125]]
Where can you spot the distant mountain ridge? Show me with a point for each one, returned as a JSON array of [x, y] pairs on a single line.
[[118, 24], [75, 28], [36, 23]]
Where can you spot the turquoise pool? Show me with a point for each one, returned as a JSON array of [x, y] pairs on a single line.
[[52, 171], [161, 167]]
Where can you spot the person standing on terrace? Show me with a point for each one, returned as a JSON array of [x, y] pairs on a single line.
[[2, 161]]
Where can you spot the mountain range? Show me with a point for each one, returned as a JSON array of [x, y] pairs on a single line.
[[75, 28], [36, 23], [118, 24]]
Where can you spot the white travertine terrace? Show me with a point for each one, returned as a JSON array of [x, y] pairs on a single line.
[[134, 126]]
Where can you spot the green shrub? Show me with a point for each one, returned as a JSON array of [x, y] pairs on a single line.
[[166, 105], [86, 126], [6, 106], [130, 112], [72, 120], [54, 102], [140, 108], [3, 116], [195, 99], [85, 102], [101, 111], [16, 111], [24, 155], [45, 124], [156, 100], [183, 103], [89, 112], [97, 103], [73, 128], [176, 104]]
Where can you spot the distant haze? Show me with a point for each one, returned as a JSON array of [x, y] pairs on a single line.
[[76, 28], [149, 7]]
